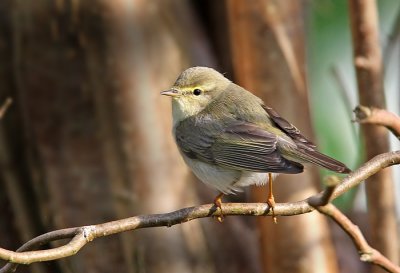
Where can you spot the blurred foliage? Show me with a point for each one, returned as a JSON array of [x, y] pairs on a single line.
[[332, 80]]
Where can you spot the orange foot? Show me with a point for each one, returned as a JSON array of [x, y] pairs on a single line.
[[271, 199], [218, 204]]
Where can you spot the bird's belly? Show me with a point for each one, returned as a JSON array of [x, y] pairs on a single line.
[[216, 177], [252, 178], [225, 180]]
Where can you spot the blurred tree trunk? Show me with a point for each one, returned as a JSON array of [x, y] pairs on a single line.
[[380, 187], [64, 163], [147, 45], [267, 41], [89, 139]]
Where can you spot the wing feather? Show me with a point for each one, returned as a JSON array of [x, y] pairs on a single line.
[[242, 146], [289, 129], [305, 150]]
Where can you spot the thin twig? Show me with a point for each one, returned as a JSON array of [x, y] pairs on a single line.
[[377, 116], [286, 46], [5, 106], [366, 252], [82, 235], [344, 90], [331, 182], [41, 240]]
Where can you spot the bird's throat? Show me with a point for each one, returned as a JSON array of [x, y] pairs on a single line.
[[181, 110]]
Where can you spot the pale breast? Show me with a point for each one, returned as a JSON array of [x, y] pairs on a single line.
[[216, 177], [253, 178], [225, 180]]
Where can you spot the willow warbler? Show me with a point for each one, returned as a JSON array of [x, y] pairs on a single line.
[[230, 139]]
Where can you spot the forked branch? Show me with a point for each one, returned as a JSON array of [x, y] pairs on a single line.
[[366, 252]]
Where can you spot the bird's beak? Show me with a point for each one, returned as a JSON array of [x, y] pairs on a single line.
[[171, 92]]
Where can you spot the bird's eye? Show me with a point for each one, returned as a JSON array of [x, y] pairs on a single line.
[[197, 92]]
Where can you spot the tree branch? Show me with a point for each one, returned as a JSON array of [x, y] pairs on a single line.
[[80, 236], [366, 252], [4, 107], [331, 182], [377, 116]]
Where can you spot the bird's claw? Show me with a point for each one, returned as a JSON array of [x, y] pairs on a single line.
[[271, 203], [218, 204]]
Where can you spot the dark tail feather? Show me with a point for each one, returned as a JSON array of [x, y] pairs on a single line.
[[324, 161]]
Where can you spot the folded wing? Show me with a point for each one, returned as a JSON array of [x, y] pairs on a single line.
[[242, 146]]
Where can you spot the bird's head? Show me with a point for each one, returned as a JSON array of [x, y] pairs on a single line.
[[194, 89]]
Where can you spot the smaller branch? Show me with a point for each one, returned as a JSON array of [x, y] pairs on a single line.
[[366, 252], [27, 257], [344, 90], [331, 182], [39, 241], [368, 169], [5, 106], [286, 46], [376, 116]]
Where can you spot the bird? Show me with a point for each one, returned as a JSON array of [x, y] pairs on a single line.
[[231, 139]]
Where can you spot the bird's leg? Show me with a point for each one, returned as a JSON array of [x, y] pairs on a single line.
[[271, 199], [218, 204]]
